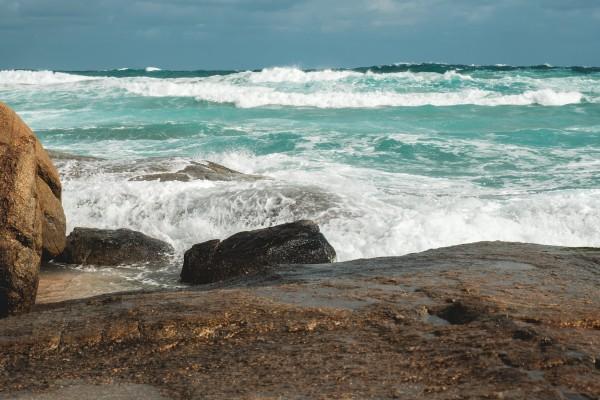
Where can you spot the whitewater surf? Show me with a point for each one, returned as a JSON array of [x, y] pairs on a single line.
[[388, 160]]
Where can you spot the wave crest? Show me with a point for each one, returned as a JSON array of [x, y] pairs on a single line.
[[27, 77], [295, 75], [259, 96], [293, 87]]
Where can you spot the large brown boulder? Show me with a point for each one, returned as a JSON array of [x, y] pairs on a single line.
[[298, 242], [108, 247], [32, 221]]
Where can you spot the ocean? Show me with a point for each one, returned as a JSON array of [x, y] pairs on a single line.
[[388, 160]]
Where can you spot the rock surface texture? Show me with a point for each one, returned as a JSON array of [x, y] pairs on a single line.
[[249, 252], [486, 320], [88, 246], [208, 170], [32, 220]]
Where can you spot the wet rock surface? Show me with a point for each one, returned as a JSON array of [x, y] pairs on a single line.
[[485, 320], [254, 251], [88, 246], [195, 170], [32, 220]]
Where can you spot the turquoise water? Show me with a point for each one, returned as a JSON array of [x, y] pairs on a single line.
[[389, 160]]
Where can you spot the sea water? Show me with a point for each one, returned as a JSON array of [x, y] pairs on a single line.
[[387, 159]]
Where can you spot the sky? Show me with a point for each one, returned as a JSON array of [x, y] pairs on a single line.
[[246, 34]]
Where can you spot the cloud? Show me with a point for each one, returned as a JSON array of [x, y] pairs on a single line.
[[311, 31]]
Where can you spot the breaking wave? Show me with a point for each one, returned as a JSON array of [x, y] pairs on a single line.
[[249, 97], [356, 208], [23, 77], [293, 87]]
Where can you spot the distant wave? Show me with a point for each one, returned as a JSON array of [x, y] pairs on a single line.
[[441, 68], [295, 75], [398, 86], [257, 96], [23, 77], [152, 69]]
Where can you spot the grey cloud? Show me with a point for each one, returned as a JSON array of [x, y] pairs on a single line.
[[240, 33]]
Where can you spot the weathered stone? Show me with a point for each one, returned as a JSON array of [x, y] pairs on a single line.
[[523, 322], [88, 246], [248, 252], [209, 171], [32, 221]]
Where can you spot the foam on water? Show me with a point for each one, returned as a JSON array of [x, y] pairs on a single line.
[[292, 87], [388, 160], [295, 75], [23, 77], [362, 213], [248, 97]]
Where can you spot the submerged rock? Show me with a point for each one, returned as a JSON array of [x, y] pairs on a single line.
[[57, 155], [88, 246], [298, 242], [32, 220], [209, 171]]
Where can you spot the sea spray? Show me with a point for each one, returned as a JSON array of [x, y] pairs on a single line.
[[387, 159]]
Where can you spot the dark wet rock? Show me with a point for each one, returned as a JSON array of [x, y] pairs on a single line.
[[343, 330], [298, 242], [32, 220], [209, 171], [88, 246]]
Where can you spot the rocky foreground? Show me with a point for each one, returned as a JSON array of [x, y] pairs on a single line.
[[485, 320]]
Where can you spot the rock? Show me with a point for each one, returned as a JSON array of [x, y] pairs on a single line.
[[53, 222], [350, 330], [32, 220], [298, 242], [209, 171], [89, 246], [57, 155], [70, 390]]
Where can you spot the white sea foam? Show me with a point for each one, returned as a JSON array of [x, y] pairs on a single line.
[[295, 75], [152, 69], [242, 96], [24, 77], [364, 213], [286, 86], [298, 76]]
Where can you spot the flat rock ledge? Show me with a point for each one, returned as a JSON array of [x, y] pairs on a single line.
[[109, 247], [249, 252], [487, 320]]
